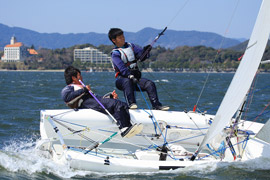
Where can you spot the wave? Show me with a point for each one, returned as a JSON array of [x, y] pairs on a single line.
[[162, 80], [24, 157]]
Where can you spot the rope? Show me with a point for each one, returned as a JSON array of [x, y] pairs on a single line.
[[259, 115], [171, 142], [193, 122], [95, 132], [226, 147], [152, 117], [63, 113], [76, 132], [86, 151], [188, 128]]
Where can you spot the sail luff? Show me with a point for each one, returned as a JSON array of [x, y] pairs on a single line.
[[244, 75]]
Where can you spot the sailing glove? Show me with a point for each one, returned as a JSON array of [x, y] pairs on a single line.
[[133, 78], [146, 51], [147, 48], [85, 90], [136, 73]]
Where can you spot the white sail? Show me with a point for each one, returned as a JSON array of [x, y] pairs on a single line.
[[244, 75]]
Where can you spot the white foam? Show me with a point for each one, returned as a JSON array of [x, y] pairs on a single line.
[[162, 80], [23, 156]]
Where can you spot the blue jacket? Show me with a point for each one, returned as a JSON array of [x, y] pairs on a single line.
[[119, 64], [69, 94]]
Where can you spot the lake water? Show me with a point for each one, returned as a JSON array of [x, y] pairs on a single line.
[[24, 94]]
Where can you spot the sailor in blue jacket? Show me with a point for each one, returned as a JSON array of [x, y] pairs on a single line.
[[128, 76], [77, 96]]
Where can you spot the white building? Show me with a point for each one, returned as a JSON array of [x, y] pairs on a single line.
[[91, 55], [15, 51]]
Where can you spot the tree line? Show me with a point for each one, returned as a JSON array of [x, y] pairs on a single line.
[[183, 58]]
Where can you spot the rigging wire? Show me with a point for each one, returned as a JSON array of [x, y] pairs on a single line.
[[259, 115], [252, 91], [218, 51], [95, 144], [78, 132], [194, 122], [153, 117], [251, 95], [63, 113], [245, 105], [180, 10], [170, 22], [243, 142]]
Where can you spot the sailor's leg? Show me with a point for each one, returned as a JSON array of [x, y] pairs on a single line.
[[119, 111], [150, 87], [126, 85]]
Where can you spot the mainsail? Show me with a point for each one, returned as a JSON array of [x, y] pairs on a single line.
[[244, 75]]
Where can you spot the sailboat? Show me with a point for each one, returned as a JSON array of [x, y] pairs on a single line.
[[90, 70], [88, 140]]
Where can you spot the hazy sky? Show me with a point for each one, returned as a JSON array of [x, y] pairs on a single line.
[[82, 16]]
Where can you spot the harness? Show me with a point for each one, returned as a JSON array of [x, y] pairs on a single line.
[[76, 102], [127, 56]]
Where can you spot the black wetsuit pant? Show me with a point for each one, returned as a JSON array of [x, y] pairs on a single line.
[[128, 87], [118, 109]]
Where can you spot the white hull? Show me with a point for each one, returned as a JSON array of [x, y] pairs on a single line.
[[97, 163], [185, 129], [115, 162]]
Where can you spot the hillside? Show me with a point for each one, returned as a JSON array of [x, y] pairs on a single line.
[[242, 46], [171, 39]]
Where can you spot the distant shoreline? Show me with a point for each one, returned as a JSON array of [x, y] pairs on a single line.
[[33, 70], [144, 70]]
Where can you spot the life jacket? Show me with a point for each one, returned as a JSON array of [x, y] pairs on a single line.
[[76, 102], [127, 56]]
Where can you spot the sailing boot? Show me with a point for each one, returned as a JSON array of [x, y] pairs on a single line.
[[138, 129], [162, 108], [133, 106], [132, 131]]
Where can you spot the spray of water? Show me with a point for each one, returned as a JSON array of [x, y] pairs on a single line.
[[23, 156]]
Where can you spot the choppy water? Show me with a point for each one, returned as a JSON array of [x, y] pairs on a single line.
[[24, 94]]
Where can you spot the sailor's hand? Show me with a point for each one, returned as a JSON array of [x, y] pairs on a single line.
[[133, 78], [147, 48], [88, 87], [115, 96], [146, 51]]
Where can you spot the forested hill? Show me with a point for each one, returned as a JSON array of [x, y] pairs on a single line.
[[180, 59], [171, 39]]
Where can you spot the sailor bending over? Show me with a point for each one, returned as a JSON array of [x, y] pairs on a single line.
[[77, 96], [128, 76]]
